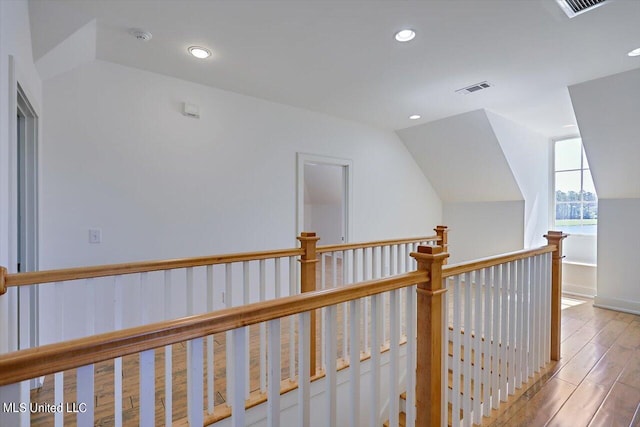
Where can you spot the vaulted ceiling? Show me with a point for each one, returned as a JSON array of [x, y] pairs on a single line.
[[340, 57]]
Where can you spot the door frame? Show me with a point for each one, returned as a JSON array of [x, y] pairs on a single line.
[[26, 201], [347, 193]]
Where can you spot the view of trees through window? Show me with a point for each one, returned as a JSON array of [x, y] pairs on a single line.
[[575, 194]]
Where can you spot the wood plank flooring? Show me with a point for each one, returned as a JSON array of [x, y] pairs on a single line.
[[596, 382]]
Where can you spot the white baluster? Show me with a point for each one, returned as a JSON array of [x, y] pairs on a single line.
[[330, 352], [540, 307], [533, 330], [526, 314], [354, 363], [547, 313], [495, 344], [145, 303], [366, 301], [520, 324], [168, 384], [273, 402], [394, 365], [511, 379], [456, 359], [466, 366], [376, 302], [477, 347], [444, 353], [486, 348], [168, 353], [263, 329], [228, 299], [323, 324], [210, 343], [84, 396], [90, 307], [345, 310], [238, 373], [167, 295], [195, 374], [304, 380], [504, 332], [58, 392], [147, 389], [278, 282], [190, 308], [411, 355], [245, 300], [118, 302], [292, 322]]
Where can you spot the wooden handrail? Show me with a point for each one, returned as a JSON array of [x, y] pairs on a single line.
[[48, 276], [361, 245], [31, 363], [466, 267]]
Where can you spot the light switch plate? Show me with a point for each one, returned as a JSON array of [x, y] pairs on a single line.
[[95, 235]]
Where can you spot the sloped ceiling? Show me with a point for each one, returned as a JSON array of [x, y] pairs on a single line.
[[462, 159], [340, 57], [608, 113]]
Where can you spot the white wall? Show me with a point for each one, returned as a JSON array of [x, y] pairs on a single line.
[[607, 111], [119, 156], [618, 249], [528, 154], [481, 229], [462, 158]]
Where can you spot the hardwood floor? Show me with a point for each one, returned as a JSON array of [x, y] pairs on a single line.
[[597, 380]]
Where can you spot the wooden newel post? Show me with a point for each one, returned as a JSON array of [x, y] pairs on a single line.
[[429, 375], [308, 262], [555, 238], [3, 281], [442, 231]]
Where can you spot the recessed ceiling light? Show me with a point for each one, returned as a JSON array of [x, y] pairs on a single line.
[[405, 35], [199, 52], [634, 52], [414, 116]]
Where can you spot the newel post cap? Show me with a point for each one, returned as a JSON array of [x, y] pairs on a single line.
[[555, 235], [430, 254], [308, 236]]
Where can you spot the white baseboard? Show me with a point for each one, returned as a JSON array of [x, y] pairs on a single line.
[[578, 290], [625, 306]]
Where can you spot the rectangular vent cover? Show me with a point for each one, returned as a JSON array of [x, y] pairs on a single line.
[[574, 8], [474, 88]]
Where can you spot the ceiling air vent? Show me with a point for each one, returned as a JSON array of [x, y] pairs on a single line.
[[574, 8], [474, 88]]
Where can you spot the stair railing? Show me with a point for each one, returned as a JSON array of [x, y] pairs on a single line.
[[501, 325], [210, 283]]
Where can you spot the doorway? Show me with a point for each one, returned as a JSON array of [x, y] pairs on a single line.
[[27, 216], [324, 185]]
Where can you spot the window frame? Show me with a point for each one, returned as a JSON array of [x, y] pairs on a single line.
[[553, 189]]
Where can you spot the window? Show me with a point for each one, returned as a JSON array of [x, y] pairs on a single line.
[[576, 201]]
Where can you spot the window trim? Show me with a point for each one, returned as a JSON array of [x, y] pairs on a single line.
[[553, 171]]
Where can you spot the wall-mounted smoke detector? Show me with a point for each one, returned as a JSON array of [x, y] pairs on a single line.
[[139, 34], [474, 88], [573, 8]]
